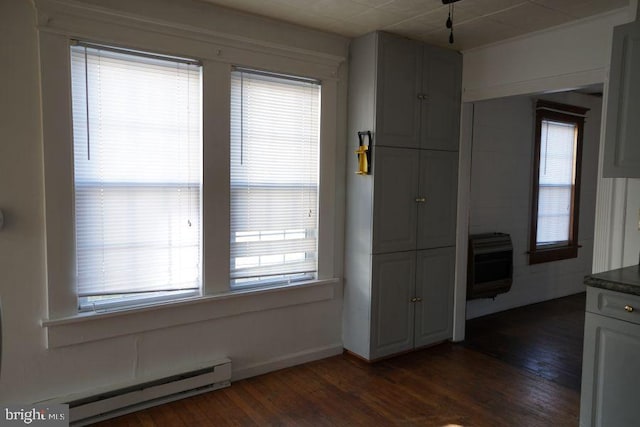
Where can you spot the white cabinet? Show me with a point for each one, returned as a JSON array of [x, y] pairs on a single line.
[[418, 94], [435, 270], [438, 187], [414, 200], [392, 308], [401, 219], [610, 368], [411, 300], [622, 132], [397, 179]]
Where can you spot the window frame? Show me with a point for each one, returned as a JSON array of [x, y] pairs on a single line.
[[218, 53], [546, 110], [112, 300], [290, 277]]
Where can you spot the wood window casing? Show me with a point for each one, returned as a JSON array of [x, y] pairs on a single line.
[[561, 113]]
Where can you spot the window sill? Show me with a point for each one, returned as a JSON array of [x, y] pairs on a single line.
[[94, 326], [539, 256]]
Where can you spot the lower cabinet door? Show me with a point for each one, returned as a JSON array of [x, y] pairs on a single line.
[[610, 373], [392, 311], [434, 290]]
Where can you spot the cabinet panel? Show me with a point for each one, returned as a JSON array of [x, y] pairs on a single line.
[[613, 304], [397, 103], [392, 311], [622, 146], [440, 123], [438, 186], [434, 287], [396, 174], [610, 373]]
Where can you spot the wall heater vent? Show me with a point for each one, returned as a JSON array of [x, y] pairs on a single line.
[[131, 397]]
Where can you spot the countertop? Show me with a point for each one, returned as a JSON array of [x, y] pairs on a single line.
[[625, 280]]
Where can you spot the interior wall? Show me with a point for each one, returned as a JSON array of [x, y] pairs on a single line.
[[631, 253], [502, 153], [566, 57], [256, 342], [561, 58]]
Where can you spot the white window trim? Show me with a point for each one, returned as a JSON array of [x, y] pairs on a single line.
[[95, 326], [60, 21]]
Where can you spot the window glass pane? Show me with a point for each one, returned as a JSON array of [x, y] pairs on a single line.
[[556, 181], [554, 208], [275, 131], [137, 174]]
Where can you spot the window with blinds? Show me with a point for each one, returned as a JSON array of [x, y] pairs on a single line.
[[556, 192], [275, 133], [556, 181], [137, 176]]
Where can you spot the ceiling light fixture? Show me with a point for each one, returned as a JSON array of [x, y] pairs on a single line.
[[449, 23]]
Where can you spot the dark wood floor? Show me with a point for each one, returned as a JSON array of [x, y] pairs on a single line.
[[518, 368], [545, 339]]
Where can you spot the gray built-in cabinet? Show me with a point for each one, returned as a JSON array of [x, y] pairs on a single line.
[[622, 134], [401, 218], [610, 368]]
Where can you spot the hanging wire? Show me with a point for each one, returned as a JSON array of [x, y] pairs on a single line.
[[242, 118], [86, 99], [450, 23], [546, 147]]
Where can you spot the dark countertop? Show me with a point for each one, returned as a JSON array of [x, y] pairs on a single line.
[[625, 280]]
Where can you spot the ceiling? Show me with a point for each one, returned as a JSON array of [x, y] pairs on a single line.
[[476, 22]]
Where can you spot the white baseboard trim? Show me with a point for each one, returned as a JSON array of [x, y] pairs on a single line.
[[286, 362]]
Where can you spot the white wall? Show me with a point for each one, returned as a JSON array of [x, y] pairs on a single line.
[[256, 342], [566, 57], [561, 58], [503, 138], [631, 232]]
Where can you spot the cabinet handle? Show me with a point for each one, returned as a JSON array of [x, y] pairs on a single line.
[[628, 309], [418, 299], [421, 199], [414, 299], [422, 96]]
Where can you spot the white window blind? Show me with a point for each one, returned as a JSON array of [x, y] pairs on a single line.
[[275, 132], [137, 164], [556, 181]]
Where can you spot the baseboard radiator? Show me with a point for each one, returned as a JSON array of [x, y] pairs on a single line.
[[127, 398]]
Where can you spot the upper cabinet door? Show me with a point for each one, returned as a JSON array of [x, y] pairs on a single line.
[[438, 193], [441, 77], [398, 91], [622, 133], [395, 190]]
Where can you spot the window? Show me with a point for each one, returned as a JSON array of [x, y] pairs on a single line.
[[556, 182], [275, 132], [137, 176]]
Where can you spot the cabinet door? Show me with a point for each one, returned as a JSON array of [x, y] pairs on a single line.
[[439, 189], [434, 289], [441, 81], [398, 87], [396, 175], [622, 132], [610, 373], [392, 311]]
